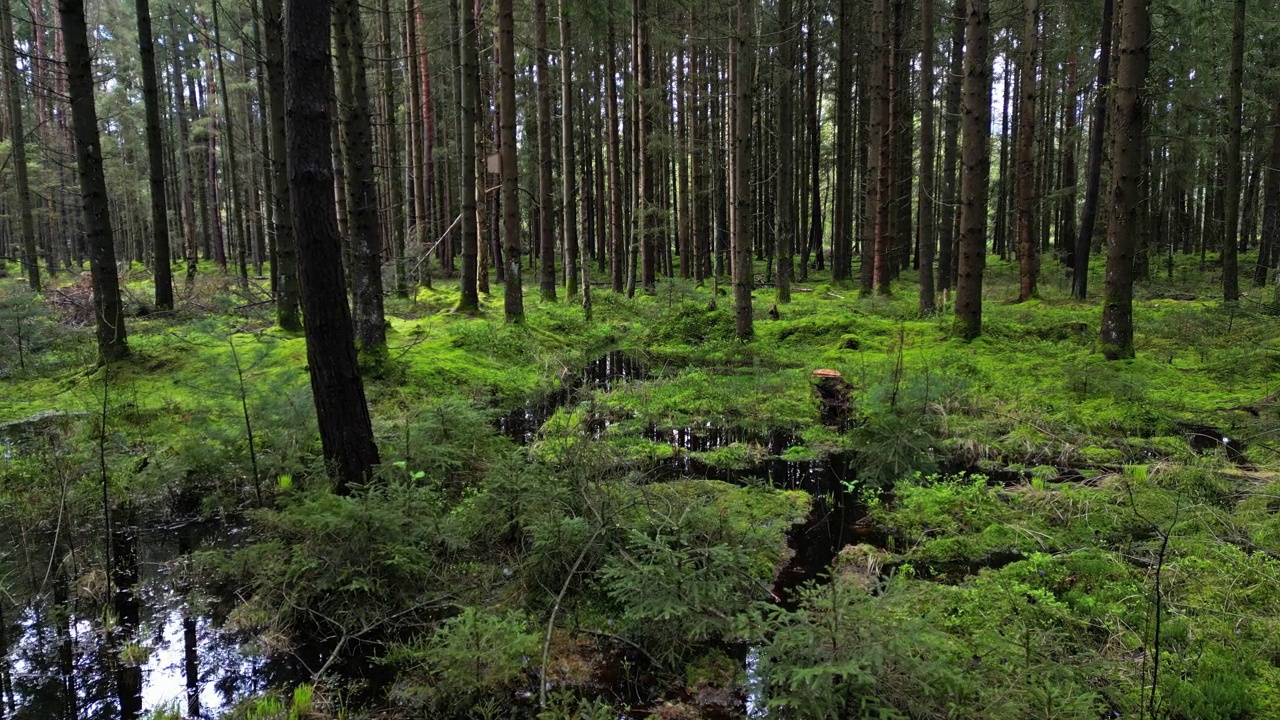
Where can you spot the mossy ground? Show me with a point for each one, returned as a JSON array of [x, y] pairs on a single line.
[[1095, 467]]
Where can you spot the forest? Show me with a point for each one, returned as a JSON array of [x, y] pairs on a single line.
[[600, 359]]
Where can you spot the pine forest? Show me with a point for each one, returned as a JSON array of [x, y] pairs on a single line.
[[611, 359]]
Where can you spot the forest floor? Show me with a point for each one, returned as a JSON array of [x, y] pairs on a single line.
[[643, 514]]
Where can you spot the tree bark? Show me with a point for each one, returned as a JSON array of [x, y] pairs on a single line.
[[469, 94], [1270, 248], [740, 64], [18, 155], [1028, 247], [108, 309], [1231, 192], [287, 291], [370, 322], [928, 229], [568, 161], [1089, 216], [976, 169], [546, 214], [346, 433], [513, 293], [786, 226], [1126, 153]]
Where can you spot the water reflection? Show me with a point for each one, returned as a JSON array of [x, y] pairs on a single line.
[[155, 648]]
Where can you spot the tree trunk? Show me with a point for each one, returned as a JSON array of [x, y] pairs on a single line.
[[568, 161], [646, 212], [786, 230], [617, 243], [513, 294], [108, 309], [287, 292], [928, 229], [346, 433], [740, 72], [469, 106], [1089, 216], [1126, 153], [1231, 193], [1071, 108], [395, 172], [18, 154], [546, 215], [976, 169], [843, 200], [880, 149], [1028, 246], [1270, 247], [155, 157], [357, 126]]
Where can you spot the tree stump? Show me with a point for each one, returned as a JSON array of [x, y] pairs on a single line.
[[836, 395]]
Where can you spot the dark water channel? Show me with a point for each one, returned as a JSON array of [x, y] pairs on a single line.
[[833, 521], [151, 647]]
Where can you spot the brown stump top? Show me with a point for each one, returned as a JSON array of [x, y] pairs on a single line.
[[826, 374]]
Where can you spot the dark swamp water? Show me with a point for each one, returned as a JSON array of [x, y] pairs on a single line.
[[166, 649]]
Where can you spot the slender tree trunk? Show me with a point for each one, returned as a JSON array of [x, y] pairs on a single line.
[[1126, 151], [395, 172], [740, 64], [928, 229], [1028, 245], [346, 433], [469, 96], [155, 157], [646, 211], [1071, 108], [568, 161], [18, 153], [786, 230], [1270, 248], [546, 215], [1093, 181], [1231, 199], [881, 154], [108, 309], [843, 211], [287, 290], [976, 169], [617, 242], [514, 300], [357, 126]]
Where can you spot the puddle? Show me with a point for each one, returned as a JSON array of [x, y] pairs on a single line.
[[68, 658], [606, 373]]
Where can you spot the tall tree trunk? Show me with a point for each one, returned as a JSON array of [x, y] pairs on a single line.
[[1270, 247], [1126, 153], [417, 144], [155, 157], [287, 291], [469, 95], [18, 154], [346, 433], [880, 150], [740, 64], [395, 172], [1028, 246], [546, 215], [928, 229], [568, 162], [786, 227], [1231, 199], [617, 242], [108, 309], [1066, 235], [366, 239], [513, 293], [813, 109], [947, 255], [976, 169], [646, 211], [1093, 181], [186, 166], [843, 211]]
